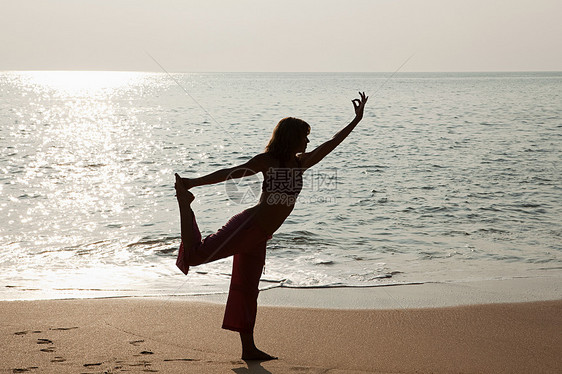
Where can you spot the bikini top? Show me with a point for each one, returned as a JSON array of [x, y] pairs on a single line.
[[283, 180]]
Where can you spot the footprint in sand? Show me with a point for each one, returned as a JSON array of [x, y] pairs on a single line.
[[23, 370], [136, 343], [26, 332], [95, 364], [46, 341], [63, 328]]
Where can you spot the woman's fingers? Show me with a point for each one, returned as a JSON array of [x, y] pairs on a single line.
[[359, 104], [363, 97]]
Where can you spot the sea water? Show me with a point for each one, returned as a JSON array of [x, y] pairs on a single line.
[[449, 177]]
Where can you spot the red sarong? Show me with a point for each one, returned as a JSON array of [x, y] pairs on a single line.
[[244, 239]]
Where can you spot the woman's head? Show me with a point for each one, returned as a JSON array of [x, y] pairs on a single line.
[[287, 138]]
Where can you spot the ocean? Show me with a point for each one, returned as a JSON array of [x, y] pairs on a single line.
[[450, 177]]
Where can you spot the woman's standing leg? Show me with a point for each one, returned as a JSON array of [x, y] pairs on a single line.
[[241, 307]]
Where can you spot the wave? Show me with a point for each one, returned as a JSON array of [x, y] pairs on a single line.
[[170, 244]]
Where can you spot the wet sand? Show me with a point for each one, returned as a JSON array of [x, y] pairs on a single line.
[[178, 336]]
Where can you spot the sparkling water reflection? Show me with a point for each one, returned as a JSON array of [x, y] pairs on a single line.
[[448, 177]]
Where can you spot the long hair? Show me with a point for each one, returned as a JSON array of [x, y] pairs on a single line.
[[286, 137]]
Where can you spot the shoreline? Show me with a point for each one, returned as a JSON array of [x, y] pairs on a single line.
[[407, 296], [413, 329], [384, 296]]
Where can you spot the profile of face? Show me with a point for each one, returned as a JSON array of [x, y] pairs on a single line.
[[301, 148]]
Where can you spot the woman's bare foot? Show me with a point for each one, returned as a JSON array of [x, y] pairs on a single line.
[[249, 350], [185, 198], [256, 355]]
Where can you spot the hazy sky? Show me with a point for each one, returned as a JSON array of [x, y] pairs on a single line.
[[284, 35]]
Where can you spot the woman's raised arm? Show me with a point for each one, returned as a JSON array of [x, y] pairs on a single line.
[[254, 165], [310, 159]]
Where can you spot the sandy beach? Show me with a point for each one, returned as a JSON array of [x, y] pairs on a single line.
[[184, 336]]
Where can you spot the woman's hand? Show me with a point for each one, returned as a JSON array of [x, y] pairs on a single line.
[[359, 105], [187, 183]]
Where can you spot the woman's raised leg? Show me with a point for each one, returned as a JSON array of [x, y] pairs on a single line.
[[185, 198], [234, 237]]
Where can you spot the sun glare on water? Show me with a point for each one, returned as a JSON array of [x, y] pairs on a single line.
[[75, 128], [76, 83]]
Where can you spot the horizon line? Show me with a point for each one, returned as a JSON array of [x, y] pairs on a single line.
[[279, 72]]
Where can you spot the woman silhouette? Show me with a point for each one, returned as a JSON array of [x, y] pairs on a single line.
[[245, 235]]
